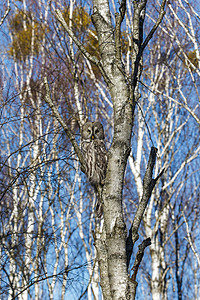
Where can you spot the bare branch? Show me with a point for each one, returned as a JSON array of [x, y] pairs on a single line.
[[191, 111], [42, 278], [138, 22], [91, 58], [151, 33], [60, 18], [190, 240], [148, 185], [139, 256], [64, 125], [6, 12], [119, 19]]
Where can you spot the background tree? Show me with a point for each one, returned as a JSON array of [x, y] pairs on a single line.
[[48, 226]]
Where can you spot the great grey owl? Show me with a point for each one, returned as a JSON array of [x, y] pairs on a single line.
[[94, 150]]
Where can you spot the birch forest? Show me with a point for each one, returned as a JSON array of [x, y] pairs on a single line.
[[135, 67]]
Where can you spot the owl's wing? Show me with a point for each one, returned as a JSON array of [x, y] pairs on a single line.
[[101, 157], [85, 145]]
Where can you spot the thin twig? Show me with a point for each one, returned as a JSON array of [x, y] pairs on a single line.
[[6, 13], [190, 240], [61, 19], [149, 132], [64, 125], [160, 17], [90, 57]]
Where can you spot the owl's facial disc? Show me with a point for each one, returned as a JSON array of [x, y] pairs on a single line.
[[96, 132], [89, 132]]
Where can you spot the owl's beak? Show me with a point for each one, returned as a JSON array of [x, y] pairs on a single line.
[[92, 137]]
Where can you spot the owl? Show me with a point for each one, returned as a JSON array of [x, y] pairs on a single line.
[[94, 151]]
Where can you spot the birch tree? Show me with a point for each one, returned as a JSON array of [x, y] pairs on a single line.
[[36, 180], [134, 67], [172, 122], [114, 247]]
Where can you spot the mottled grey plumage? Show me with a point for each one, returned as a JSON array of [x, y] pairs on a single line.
[[94, 150]]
